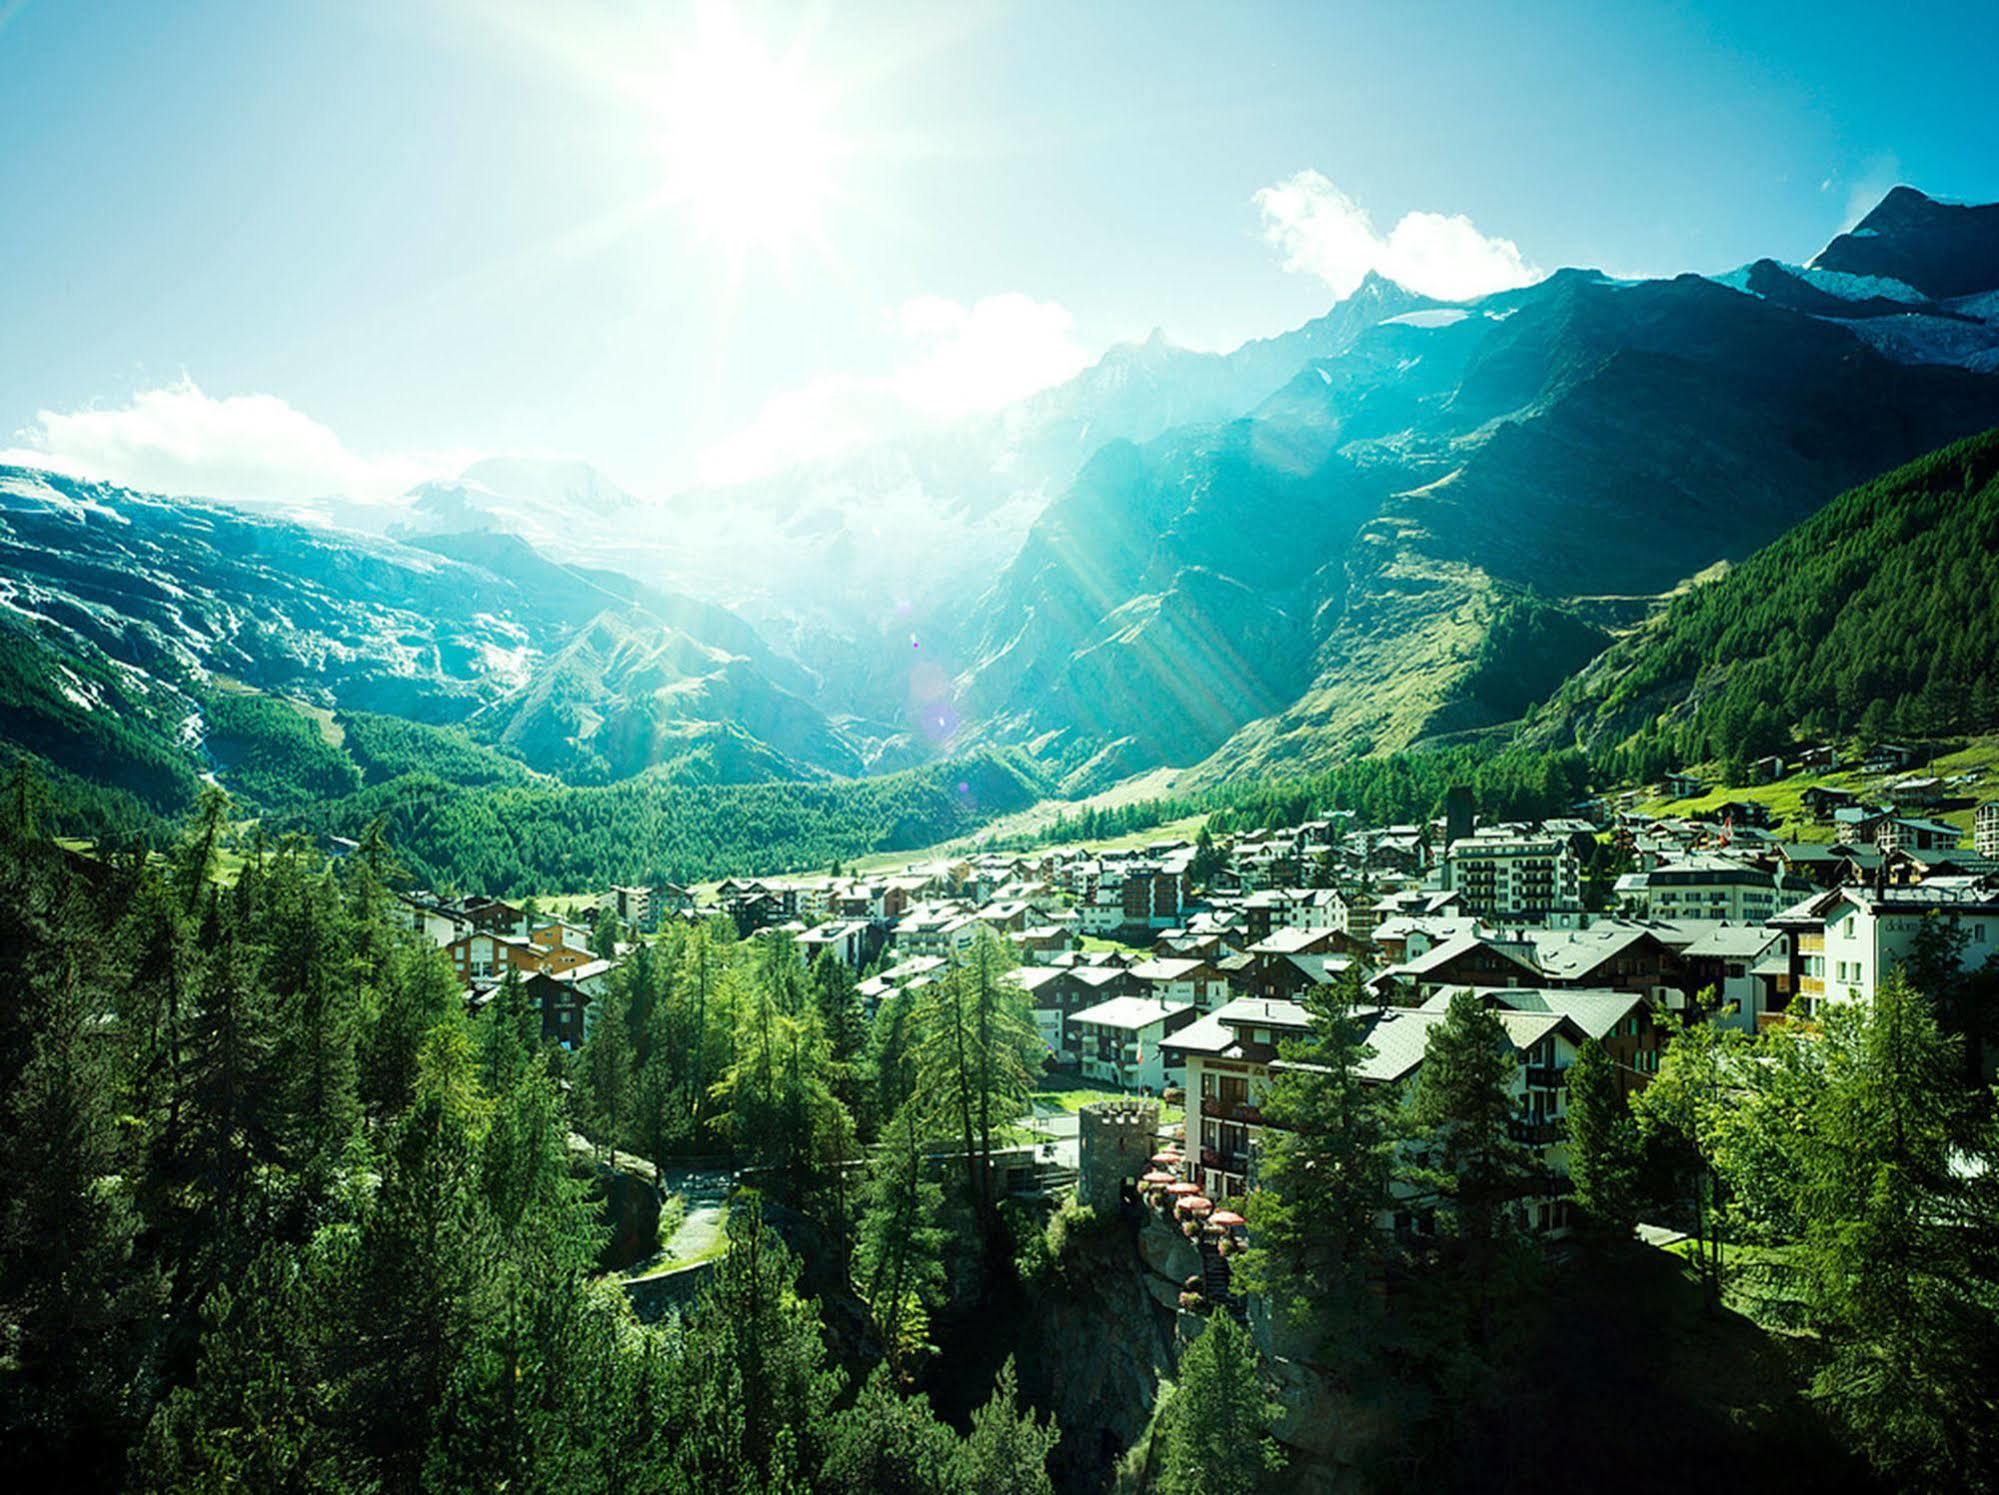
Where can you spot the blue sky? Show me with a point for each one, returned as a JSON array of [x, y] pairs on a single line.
[[313, 245]]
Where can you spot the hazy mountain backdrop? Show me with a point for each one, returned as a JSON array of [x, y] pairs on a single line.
[[1403, 521]]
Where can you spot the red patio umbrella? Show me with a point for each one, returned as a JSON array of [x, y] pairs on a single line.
[[1194, 1204], [1156, 1176], [1183, 1188], [1167, 1158], [1226, 1217]]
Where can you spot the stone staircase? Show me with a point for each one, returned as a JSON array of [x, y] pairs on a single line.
[[1216, 1279]]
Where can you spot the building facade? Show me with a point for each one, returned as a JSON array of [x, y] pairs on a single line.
[[1518, 879]]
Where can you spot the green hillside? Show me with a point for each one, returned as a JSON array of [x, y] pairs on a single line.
[[517, 838], [1876, 617]]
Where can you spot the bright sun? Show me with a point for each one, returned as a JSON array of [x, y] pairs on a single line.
[[749, 149]]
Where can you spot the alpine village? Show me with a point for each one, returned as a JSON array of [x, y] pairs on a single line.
[[1412, 906]]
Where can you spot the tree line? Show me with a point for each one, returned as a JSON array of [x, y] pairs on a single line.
[[1876, 617], [277, 1211]]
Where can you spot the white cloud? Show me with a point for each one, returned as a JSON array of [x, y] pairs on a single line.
[[987, 355], [1865, 189], [1324, 232], [958, 360], [178, 439]]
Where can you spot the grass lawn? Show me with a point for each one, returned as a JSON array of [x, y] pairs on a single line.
[[1073, 1095], [1789, 818], [1088, 942], [1752, 1280]]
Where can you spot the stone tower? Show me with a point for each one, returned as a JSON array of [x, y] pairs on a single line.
[[1114, 1145]]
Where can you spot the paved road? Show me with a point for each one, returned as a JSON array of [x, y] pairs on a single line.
[[706, 1194], [1058, 1129]]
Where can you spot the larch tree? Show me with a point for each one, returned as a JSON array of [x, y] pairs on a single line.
[[1324, 1179], [1469, 1158], [1215, 1429], [898, 1256], [1899, 1264], [1603, 1147]]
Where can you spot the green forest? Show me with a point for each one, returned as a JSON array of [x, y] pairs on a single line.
[[511, 838], [1876, 617], [278, 1211]]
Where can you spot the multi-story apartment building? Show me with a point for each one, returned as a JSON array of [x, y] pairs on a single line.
[[1232, 1056], [1123, 1041], [1228, 1056], [633, 906], [1517, 879], [1709, 887], [1844, 942], [1985, 829], [1153, 897], [1907, 833]]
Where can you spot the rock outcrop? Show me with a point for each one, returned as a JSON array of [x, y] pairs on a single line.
[[627, 1189]]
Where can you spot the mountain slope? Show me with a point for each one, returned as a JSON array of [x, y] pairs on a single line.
[[1451, 513], [625, 695], [1942, 249], [126, 614], [841, 561], [1880, 612]]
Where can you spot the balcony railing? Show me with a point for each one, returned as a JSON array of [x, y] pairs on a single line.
[[1536, 1133], [1230, 1110], [1224, 1162]]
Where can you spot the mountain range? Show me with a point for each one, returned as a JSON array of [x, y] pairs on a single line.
[[134, 609], [1404, 522], [1431, 528]]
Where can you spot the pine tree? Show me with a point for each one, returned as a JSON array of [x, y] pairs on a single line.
[[525, 1402], [1603, 1147], [752, 1386], [605, 933], [1215, 1426], [1679, 1116], [608, 1065], [509, 1034], [708, 1007], [839, 1001], [250, 1419], [1208, 863], [1006, 1451], [70, 1302], [1471, 1162], [1901, 1274], [231, 1121], [201, 848], [1323, 1180], [782, 1112], [890, 1063], [887, 1443], [416, 993], [318, 1024], [976, 1052], [898, 1258], [422, 1278]]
